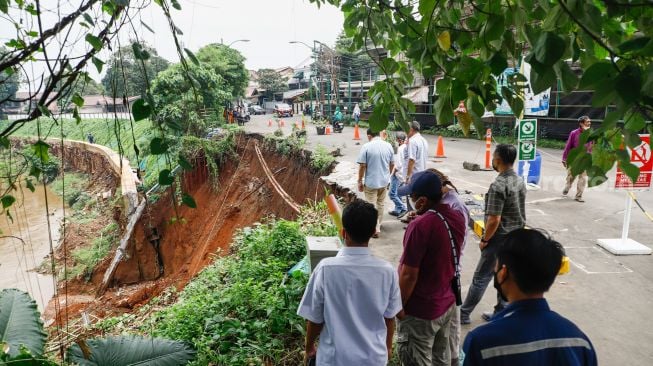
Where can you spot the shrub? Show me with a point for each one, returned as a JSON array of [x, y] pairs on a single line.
[[241, 309], [321, 159]]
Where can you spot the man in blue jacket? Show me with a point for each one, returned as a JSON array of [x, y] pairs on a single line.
[[527, 332]]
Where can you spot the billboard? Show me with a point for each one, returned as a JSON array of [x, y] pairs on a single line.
[[534, 104]]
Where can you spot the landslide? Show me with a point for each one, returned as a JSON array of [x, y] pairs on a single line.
[[171, 244]]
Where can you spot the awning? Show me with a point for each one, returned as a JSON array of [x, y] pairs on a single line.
[[291, 94], [418, 95]]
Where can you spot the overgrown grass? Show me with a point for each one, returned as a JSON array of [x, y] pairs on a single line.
[[241, 309], [86, 258], [321, 159], [288, 145], [117, 135], [70, 187]]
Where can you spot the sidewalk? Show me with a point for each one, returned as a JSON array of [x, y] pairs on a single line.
[[608, 297]]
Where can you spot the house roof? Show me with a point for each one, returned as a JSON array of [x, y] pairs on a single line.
[[418, 95], [290, 94]]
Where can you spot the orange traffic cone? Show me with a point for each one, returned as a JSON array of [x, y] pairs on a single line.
[[439, 151], [327, 130], [269, 123], [283, 124], [303, 124], [357, 135]]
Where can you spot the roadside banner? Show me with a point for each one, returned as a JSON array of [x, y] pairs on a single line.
[[641, 158]]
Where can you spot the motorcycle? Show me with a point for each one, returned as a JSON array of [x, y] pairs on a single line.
[[338, 126]]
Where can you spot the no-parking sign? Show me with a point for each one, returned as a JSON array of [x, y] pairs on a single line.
[[641, 158]]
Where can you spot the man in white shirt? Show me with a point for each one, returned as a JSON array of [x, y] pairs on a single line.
[[397, 177], [375, 164], [414, 156], [417, 150], [351, 299]]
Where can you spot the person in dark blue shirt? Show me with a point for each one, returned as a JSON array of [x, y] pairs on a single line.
[[527, 332]]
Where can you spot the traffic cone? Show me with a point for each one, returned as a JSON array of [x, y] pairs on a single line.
[[303, 124], [357, 135], [269, 123], [327, 130], [283, 124], [439, 152]]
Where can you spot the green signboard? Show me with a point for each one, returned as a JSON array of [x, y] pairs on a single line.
[[527, 142]]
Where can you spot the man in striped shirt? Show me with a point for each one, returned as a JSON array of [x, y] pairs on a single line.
[[527, 332]]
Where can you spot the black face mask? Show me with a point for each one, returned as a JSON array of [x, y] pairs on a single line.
[[497, 286]]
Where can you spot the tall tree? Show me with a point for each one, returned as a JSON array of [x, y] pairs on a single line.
[[470, 43], [354, 61], [125, 72], [271, 81], [228, 63], [179, 94]]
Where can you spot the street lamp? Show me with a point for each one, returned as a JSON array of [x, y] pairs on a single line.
[[238, 40], [309, 79]]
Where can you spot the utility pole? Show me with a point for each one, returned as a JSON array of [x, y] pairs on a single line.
[[349, 87]]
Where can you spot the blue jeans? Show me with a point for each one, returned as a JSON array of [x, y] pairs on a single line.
[[483, 275], [394, 185]]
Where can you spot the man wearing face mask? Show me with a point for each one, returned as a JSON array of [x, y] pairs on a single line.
[[527, 332], [584, 124], [505, 211], [432, 245]]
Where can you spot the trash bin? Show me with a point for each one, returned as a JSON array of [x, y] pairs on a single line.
[[534, 171]]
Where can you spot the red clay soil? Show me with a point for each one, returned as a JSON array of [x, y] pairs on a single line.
[[244, 196]]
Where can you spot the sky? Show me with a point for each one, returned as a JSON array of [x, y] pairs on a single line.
[[269, 25]]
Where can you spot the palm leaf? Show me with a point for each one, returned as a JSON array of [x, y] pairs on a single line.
[[20, 324], [130, 350]]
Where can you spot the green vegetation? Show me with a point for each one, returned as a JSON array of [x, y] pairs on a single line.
[[241, 309], [215, 151], [123, 62], [464, 47], [71, 186], [23, 341], [287, 146], [321, 159], [228, 63], [86, 258]]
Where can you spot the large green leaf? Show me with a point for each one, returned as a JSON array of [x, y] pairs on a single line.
[[132, 350], [20, 323]]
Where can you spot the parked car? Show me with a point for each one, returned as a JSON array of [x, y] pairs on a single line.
[[283, 110], [256, 109]]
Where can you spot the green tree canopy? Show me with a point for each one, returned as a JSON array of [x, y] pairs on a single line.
[[179, 96], [467, 44], [271, 81], [125, 72], [354, 62], [228, 63]]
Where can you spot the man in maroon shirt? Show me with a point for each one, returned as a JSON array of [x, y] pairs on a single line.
[[573, 141], [426, 270]]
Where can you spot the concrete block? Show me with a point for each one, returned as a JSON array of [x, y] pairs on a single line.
[[320, 247], [620, 247]]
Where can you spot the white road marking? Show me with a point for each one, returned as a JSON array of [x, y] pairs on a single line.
[[550, 199], [584, 269]]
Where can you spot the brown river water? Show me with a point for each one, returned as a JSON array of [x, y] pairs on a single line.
[[18, 259]]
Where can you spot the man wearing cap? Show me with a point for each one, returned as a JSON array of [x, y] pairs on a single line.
[[426, 271], [584, 124], [375, 164], [505, 211]]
